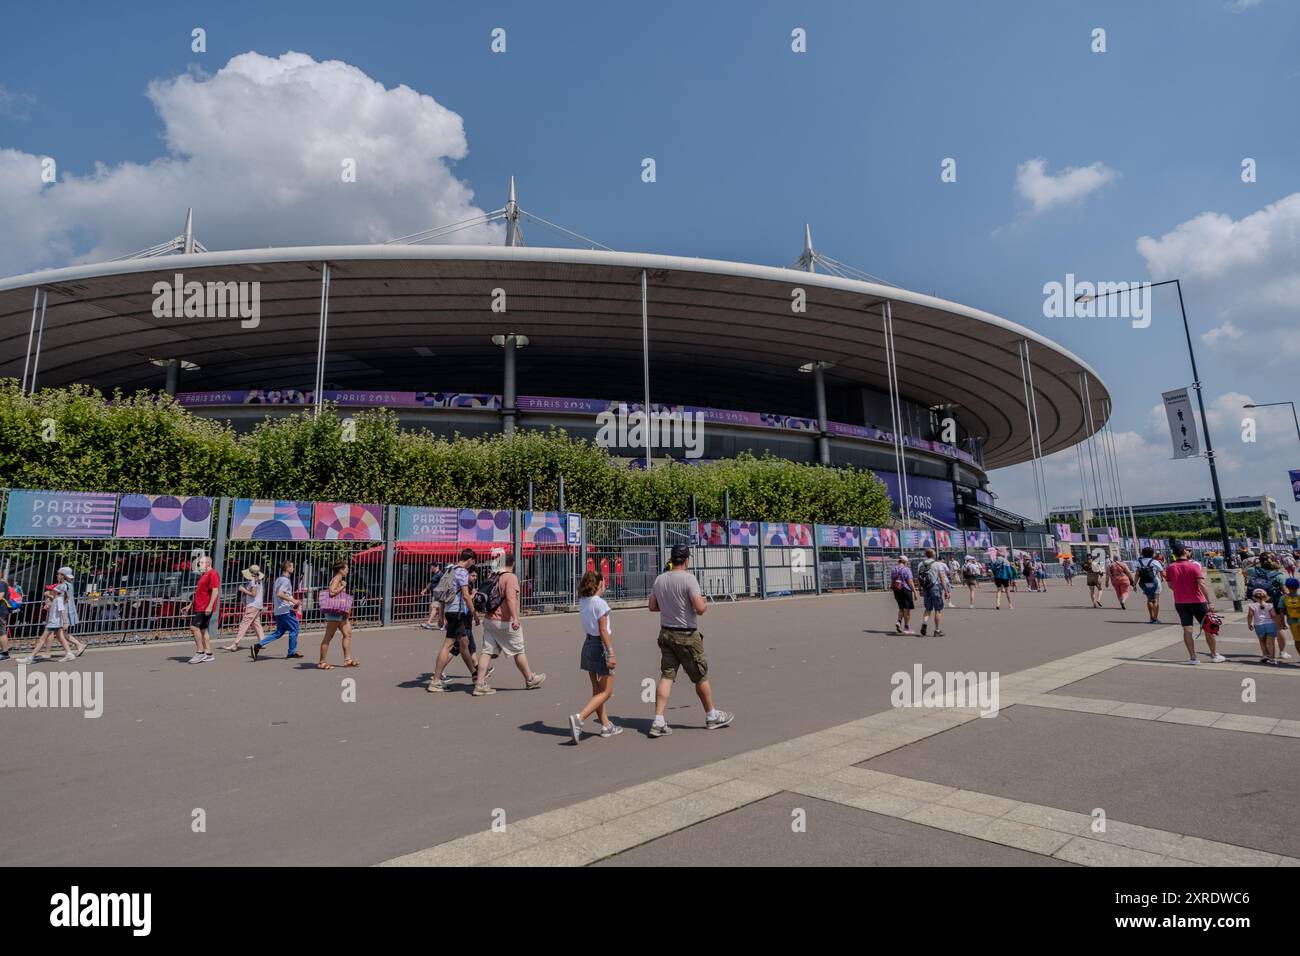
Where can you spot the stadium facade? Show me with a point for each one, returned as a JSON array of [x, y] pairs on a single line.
[[798, 361]]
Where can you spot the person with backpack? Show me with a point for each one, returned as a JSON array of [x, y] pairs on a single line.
[[935, 585], [1150, 572], [900, 582], [1003, 573], [502, 634], [460, 615], [1121, 579], [1264, 575]]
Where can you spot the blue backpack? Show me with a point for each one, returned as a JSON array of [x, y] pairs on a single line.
[[12, 595]]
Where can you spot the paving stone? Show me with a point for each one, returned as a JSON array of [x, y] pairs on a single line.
[[550, 853], [1196, 718], [1024, 836], [1213, 853], [1095, 853], [985, 803], [1247, 723], [1140, 711], [950, 819]]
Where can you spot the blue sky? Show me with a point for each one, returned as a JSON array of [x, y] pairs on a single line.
[[752, 140]]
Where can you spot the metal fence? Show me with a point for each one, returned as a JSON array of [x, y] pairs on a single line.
[[627, 554], [126, 591], [840, 569], [313, 567], [140, 589]]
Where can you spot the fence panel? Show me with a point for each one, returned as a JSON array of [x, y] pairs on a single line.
[[788, 559], [626, 554], [125, 590], [313, 563], [413, 569], [549, 567]]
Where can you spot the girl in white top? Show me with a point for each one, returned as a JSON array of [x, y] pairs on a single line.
[[598, 658], [251, 594]]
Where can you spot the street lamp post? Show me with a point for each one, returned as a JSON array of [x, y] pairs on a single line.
[[1228, 562], [1294, 417], [1275, 404]]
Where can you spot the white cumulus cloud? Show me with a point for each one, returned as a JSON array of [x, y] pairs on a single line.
[[1043, 190], [258, 150], [1241, 274]]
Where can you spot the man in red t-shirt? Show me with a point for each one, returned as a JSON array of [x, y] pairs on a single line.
[[1192, 601], [206, 594]]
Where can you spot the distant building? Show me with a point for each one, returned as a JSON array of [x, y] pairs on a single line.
[[1280, 529]]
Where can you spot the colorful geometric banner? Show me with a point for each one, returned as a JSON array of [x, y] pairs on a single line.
[[260, 519], [885, 538], [1063, 533], [787, 535], [744, 533], [543, 527], [164, 516], [339, 521], [60, 514], [838, 536], [484, 527]]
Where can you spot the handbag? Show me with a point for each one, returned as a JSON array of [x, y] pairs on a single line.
[[340, 603]]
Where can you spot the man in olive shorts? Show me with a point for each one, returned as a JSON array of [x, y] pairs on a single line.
[[677, 599]]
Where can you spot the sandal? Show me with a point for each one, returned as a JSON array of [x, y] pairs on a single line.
[[325, 666], [351, 663]]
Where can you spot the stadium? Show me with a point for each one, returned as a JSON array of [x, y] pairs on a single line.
[[812, 362]]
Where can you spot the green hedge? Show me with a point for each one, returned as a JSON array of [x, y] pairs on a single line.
[[147, 443]]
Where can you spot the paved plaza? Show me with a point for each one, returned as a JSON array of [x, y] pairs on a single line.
[[1098, 716]]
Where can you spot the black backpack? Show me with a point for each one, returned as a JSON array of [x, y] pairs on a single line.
[[1147, 572], [489, 598]]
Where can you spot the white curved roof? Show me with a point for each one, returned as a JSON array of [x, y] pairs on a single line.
[[725, 326]]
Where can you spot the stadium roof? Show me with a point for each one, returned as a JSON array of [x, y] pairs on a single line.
[[728, 322]]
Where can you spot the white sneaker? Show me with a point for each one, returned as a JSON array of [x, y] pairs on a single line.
[[575, 727], [208, 657], [1217, 659], [611, 730], [1192, 660], [197, 659], [68, 657]]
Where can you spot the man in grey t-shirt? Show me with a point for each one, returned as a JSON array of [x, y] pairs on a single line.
[[678, 601]]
